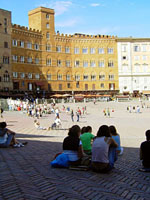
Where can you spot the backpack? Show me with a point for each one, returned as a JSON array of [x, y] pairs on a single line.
[[61, 160]]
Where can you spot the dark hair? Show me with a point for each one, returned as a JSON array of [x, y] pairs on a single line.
[[83, 130], [147, 133], [74, 131], [113, 130], [103, 131], [3, 124], [88, 129]]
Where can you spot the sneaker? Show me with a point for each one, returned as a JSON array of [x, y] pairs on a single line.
[[24, 143], [21, 145], [16, 145]]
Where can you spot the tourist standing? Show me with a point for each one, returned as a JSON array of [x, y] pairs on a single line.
[[78, 115], [108, 112], [72, 115], [129, 109], [57, 112], [104, 111], [138, 109], [83, 110], [1, 112]]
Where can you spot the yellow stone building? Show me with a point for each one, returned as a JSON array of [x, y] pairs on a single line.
[[5, 50], [26, 58], [45, 60]]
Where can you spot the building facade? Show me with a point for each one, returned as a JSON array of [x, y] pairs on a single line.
[[38, 59], [134, 65], [47, 61], [26, 58], [5, 51]]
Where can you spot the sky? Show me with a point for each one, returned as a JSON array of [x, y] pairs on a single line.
[[122, 18]]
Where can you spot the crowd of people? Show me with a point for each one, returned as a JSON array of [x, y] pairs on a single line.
[[81, 146]]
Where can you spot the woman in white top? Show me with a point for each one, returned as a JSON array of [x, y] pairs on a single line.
[[100, 150]]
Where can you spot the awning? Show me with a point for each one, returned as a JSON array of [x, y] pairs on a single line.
[[79, 95], [122, 97], [66, 95], [39, 83], [57, 95], [90, 95], [146, 92], [106, 95]]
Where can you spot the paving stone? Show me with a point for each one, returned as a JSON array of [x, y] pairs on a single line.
[[25, 172]]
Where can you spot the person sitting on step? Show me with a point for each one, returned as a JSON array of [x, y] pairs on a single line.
[[116, 137], [7, 137], [145, 153], [86, 139], [103, 151]]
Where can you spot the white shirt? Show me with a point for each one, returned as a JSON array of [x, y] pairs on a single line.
[[3, 139], [57, 121], [100, 150]]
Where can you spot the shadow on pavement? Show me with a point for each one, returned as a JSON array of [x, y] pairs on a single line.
[[28, 168], [19, 135]]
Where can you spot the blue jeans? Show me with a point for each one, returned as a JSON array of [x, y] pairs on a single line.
[[112, 155], [72, 118], [77, 118], [7, 143]]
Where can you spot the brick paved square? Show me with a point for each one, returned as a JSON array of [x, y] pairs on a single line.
[[25, 172]]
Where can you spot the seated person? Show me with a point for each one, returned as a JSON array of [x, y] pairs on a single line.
[[83, 129], [72, 146], [102, 159], [57, 123], [86, 139], [145, 152], [116, 137], [37, 125], [7, 137]]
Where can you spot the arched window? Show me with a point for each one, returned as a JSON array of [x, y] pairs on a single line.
[[102, 76], [85, 77], [48, 47], [59, 76], [111, 77], [47, 35], [47, 25], [93, 76], [48, 61], [37, 60], [29, 59], [68, 76], [6, 77]]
